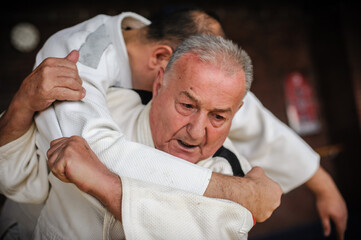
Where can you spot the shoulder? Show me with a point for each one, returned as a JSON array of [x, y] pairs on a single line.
[[123, 99]]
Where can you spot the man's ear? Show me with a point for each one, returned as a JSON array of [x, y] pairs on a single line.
[[158, 83], [160, 56]]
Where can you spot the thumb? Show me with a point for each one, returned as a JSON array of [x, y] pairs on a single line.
[[73, 56], [326, 226]]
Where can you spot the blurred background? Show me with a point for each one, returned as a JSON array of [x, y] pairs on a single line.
[[296, 46]]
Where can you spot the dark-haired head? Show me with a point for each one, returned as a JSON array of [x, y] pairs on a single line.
[[173, 26]]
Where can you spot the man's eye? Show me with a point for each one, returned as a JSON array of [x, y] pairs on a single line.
[[218, 120], [187, 105], [185, 108], [219, 117]]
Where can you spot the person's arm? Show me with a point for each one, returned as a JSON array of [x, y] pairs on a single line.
[[166, 213], [286, 158], [267, 142], [90, 118], [153, 211], [53, 79], [72, 160], [23, 169], [35, 83], [158, 212], [329, 201], [255, 191]]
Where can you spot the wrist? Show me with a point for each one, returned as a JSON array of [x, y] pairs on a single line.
[[19, 107], [15, 122], [109, 193], [229, 188], [18, 114], [215, 187], [240, 190]]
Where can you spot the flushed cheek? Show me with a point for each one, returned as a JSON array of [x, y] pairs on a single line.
[[214, 143]]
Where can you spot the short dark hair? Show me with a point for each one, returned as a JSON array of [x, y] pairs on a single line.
[[172, 27]]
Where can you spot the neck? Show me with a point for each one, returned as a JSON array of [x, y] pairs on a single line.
[[139, 53]]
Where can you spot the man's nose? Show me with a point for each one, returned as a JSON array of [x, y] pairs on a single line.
[[197, 126]]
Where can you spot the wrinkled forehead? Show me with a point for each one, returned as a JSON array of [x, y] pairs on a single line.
[[192, 72], [192, 61]]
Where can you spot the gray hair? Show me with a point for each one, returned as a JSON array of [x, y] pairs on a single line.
[[216, 50]]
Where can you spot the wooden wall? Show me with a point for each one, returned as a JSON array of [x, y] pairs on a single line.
[[320, 41]]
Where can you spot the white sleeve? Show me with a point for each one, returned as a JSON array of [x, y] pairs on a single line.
[[23, 171], [91, 119], [157, 212], [267, 142]]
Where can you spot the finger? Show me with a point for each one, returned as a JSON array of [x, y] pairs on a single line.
[[49, 78], [55, 145], [63, 94], [56, 163], [66, 74], [340, 228], [53, 155], [70, 80], [326, 226], [55, 141], [73, 56], [341, 234], [57, 62], [58, 171]]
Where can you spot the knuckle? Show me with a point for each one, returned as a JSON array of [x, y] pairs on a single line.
[[45, 84], [75, 142], [259, 170], [71, 145], [56, 168], [67, 153], [75, 139], [45, 89], [49, 61], [79, 94], [46, 71]]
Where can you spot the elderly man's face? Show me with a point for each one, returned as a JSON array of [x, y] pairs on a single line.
[[193, 107]]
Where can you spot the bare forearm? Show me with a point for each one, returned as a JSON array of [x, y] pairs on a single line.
[[110, 194], [54, 79], [321, 183], [15, 122], [256, 192], [226, 187]]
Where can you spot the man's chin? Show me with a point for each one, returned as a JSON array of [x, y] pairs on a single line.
[[192, 155], [186, 156]]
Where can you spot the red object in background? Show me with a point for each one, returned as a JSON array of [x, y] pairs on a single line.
[[302, 108]]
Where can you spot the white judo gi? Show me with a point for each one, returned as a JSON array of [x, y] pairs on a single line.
[[255, 132], [149, 211]]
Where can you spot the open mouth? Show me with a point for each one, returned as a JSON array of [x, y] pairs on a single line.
[[186, 145]]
